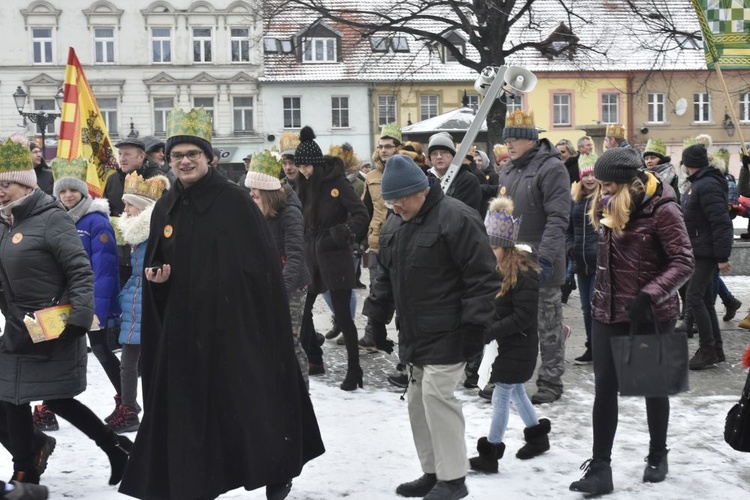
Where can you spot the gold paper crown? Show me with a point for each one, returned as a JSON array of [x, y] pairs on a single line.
[[14, 157], [266, 162], [500, 149], [77, 168], [288, 143], [519, 119], [616, 130], [195, 123], [150, 188]]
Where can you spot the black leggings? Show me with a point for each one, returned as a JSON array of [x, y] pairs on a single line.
[[105, 356], [606, 413], [340, 301]]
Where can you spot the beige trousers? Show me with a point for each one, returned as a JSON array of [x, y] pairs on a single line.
[[437, 420]]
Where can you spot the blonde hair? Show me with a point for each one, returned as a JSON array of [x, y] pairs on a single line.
[[512, 262], [578, 191], [618, 209]]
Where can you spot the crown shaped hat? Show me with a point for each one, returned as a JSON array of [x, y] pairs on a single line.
[[722, 154], [586, 164], [264, 171], [502, 227], [14, 157], [148, 188], [288, 143], [196, 123], [392, 131], [520, 125], [501, 151], [655, 147], [690, 141], [76, 168], [615, 130]]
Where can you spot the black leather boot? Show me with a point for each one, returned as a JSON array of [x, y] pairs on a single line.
[[353, 378], [656, 467], [419, 487], [597, 478]]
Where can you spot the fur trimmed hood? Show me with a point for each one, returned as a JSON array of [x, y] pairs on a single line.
[[135, 229], [100, 205]]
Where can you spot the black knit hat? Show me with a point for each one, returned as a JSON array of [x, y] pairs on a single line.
[[695, 156], [308, 152], [618, 165]]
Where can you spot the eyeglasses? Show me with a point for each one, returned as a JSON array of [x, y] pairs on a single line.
[[386, 146], [191, 155], [439, 153], [394, 203]]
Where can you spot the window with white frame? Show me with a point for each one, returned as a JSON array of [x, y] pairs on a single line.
[[243, 115], [386, 109], [472, 101], [514, 103], [319, 50], [42, 44], [240, 42], [561, 110], [162, 108], [656, 108], [202, 45], [339, 112], [108, 109], [207, 103], [610, 107], [450, 57], [428, 106], [701, 107], [292, 112], [161, 45], [745, 107], [45, 105], [104, 45]]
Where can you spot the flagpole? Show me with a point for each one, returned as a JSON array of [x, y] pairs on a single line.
[[732, 114]]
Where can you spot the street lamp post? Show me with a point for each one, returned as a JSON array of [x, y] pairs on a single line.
[[40, 118]]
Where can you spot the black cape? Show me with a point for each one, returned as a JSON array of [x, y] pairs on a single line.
[[224, 401]]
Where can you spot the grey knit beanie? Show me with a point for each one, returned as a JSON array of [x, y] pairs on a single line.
[[402, 177], [441, 140], [618, 165]]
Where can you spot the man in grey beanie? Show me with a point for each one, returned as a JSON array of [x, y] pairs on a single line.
[[437, 273], [465, 187]]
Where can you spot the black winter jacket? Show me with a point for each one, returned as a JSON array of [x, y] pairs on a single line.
[[585, 237], [438, 274], [44, 178], [465, 187], [288, 229], [706, 216]]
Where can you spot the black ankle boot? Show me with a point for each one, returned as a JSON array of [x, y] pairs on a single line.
[[537, 440], [278, 491], [334, 331], [448, 490], [489, 455], [117, 449], [417, 488], [656, 467], [597, 478], [353, 378]]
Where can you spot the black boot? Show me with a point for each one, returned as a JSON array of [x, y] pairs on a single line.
[[448, 490], [27, 491], [656, 467], [117, 449], [334, 331], [586, 358], [703, 358], [44, 450], [537, 440], [278, 491], [489, 454], [731, 308], [597, 478], [28, 475], [353, 378], [419, 487]]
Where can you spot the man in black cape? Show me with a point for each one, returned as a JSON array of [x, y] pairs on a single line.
[[225, 405]]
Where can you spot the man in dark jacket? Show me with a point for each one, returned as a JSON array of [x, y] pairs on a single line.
[[465, 187], [438, 275], [538, 183], [710, 228], [224, 402], [44, 178]]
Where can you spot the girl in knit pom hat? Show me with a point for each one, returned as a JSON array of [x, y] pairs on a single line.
[[334, 218], [644, 256], [515, 329]]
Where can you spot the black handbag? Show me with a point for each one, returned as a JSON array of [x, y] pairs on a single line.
[[737, 426], [651, 365]]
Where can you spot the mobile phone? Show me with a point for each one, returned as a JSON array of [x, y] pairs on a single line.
[[154, 269]]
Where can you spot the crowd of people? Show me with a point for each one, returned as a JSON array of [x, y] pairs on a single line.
[[470, 266]]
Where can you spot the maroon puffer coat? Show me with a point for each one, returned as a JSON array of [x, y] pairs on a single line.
[[653, 255]]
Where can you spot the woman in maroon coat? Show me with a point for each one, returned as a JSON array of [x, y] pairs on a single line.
[[644, 256], [335, 218]]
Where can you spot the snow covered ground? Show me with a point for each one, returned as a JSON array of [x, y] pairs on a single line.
[[370, 450]]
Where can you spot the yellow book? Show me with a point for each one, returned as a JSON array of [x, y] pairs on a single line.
[[47, 324]]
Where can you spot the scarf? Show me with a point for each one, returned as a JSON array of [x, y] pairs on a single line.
[[81, 209]]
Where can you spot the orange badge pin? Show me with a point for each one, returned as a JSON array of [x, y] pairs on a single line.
[[17, 238], [335, 193], [502, 191], [168, 230], [104, 239]]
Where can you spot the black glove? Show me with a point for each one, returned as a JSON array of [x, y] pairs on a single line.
[[380, 337], [745, 161], [340, 234], [545, 271], [641, 309], [473, 340], [72, 332]]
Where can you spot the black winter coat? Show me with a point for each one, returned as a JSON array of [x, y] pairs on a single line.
[[329, 205], [571, 165], [706, 216], [438, 274], [43, 263], [224, 401], [515, 329], [585, 237], [44, 178], [288, 230], [465, 187]]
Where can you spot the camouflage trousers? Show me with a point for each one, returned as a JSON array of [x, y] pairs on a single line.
[[551, 341], [296, 309]]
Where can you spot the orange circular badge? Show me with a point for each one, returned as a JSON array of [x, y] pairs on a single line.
[[104, 239], [168, 230], [17, 238], [335, 193], [502, 191]]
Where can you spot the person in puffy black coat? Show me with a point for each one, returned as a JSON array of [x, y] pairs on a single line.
[[514, 327], [335, 217]]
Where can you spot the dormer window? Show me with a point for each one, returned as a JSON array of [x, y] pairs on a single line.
[[561, 42], [382, 44], [459, 42], [399, 44], [319, 50]]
